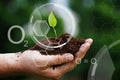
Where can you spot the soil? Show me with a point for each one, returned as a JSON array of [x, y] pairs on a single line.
[[71, 47]]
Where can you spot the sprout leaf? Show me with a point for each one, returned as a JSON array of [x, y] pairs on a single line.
[[52, 20]]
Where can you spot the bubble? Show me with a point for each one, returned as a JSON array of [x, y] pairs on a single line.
[[51, 20]]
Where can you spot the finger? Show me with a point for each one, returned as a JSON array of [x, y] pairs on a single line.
[[57, 72], [84, 48], [61, 70], [66, 67], [59, 59], [89, 41]]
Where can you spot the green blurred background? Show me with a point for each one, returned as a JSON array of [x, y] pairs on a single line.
[[98, 19]]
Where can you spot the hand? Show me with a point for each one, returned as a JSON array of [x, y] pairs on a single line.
[[42, 65], [80, 54], [32, 62]]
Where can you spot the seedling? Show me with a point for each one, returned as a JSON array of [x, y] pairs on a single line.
[[52, 22]]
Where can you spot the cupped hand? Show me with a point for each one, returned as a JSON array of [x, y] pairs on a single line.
[[32, 62]]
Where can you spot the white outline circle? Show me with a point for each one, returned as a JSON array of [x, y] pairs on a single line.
[[78, 61], [93, 61], [23, 34], [47, 46]]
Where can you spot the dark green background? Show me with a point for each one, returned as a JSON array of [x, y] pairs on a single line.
[[100, 21]]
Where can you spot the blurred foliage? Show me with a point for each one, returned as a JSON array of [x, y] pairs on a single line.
[[98, 19]]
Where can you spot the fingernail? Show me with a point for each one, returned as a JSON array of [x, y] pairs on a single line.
[[89, 40], [69, 56]]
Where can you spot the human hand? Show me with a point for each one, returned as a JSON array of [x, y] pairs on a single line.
[[43, 65], [32, 62]]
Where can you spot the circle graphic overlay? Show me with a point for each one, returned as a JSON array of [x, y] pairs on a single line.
[[9, 34], [48, 21]]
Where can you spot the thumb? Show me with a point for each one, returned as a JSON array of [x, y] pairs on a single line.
[[59, 59]]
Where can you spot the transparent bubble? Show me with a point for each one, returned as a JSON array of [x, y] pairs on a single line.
[[47, 25]]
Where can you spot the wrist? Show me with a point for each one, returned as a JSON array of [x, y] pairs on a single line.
[[14, 64], [10, 65]]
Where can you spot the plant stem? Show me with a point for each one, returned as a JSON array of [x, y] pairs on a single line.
[[55, 32]]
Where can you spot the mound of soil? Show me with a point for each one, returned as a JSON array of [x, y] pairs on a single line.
[[71, 47]]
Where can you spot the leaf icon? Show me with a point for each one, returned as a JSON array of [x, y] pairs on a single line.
[[52, 20]]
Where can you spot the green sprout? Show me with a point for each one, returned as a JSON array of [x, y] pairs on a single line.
[[52, 22]]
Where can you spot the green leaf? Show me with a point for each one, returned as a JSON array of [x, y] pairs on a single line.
[[52, 20]]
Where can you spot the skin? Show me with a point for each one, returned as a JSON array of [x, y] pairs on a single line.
[[33, 63]]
